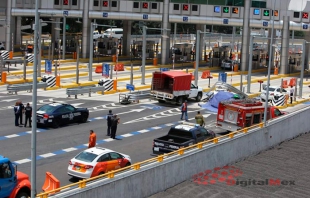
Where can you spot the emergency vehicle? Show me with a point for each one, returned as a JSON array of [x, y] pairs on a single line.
[[234, 115]]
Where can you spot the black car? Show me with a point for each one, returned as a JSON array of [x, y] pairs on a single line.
[[56, 114]]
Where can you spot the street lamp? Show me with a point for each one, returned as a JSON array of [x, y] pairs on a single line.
[[91, 50], [144, 50]]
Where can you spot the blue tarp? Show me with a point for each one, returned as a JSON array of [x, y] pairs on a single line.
[[213, 104]]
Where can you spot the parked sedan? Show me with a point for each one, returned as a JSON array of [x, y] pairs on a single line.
[[273, 91], [228, 64], [56, 114], [96, 161]]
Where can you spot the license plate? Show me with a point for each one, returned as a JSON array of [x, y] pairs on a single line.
[[77, 167], [156, 149], [41, 121]]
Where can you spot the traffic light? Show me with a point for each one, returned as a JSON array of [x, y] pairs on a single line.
[[145, 5], [305, 15], [235, 10], [266, 13], [225, 9], [275, 13], [105, 3], [185, 7], [66, 2]]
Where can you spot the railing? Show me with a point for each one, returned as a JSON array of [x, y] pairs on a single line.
[[159, 159], [25, 87], [83, 90], [134, 96]]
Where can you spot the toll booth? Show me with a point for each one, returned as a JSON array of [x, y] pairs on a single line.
[[107, 46], [259, 58], [182, 51], [150, 49], [219, 54], [294, 62]]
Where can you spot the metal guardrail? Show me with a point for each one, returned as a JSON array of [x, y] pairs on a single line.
[[134, 96], [159, 159], [25, 87], [84, 90]]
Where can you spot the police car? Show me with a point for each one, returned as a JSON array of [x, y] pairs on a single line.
[[56, 114], [96, 161]]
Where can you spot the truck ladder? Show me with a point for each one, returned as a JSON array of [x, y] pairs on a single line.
[[230, 88]]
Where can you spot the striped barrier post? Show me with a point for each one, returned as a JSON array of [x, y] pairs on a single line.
[[4, 54], [30, 58], [50, 80]]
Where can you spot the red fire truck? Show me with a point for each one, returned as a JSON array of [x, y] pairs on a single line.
[[234, 115]]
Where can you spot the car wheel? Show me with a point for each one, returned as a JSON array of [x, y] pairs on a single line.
[[180, 100], [128, 164], [84, 118], [101, 173], [198, 98], [56, 124], [22, 195], [161, 101], [2, 48]]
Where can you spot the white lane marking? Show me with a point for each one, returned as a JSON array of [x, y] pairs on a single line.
[[23, 161], [108, 140], [156, 128], [127, 135], [12, 136], [47, 155], [143, 131], [69, 149]]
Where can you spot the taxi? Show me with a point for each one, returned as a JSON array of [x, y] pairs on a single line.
[[56, 114], [96, 161]]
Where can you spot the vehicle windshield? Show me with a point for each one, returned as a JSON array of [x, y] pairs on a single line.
[[181, 133], [270, 88], [86, 156], [47, 108]]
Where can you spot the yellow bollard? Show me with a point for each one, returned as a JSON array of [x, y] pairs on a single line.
[[136, 166], [215, 140], [3, 77], [11, 55], [160, 158], [181, 151], [82, 184], [245, 130], [231, 135], [199, 145]]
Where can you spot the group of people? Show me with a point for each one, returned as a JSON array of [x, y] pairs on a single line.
[[19, 110], [112, 121], [199, 117]]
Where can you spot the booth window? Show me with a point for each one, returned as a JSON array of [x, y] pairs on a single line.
[[195, 8], [154, 6], [96, 2], [114, 4], [135, 4], [28, 2], [176, 6], [74, 2]]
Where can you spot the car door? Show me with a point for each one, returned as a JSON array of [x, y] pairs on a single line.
[[116, 160], [74, 116], [205, 134], [7, 180], [194, 91], [63, 114], [102, 164]]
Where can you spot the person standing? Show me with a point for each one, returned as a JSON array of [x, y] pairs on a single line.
[[28, 112], [199, 119], [16, 112], [115, 122], [21, 111], [109, 122], [184, 110], [292, 90], [92, 139]]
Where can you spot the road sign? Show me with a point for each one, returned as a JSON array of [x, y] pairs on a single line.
[[305, 15], [256, 11], [67, 27], [105, 69], [145, 16], [105, 14], [275, 13], [225, 21], [48, 66], [145, 5], [105, 3], [185, 19], [266, 13], [130, 87], [265, 23], [235, 10], [305, 26], [225, 9], [217, 9], [185, 7], [164, 69], [65, 12]]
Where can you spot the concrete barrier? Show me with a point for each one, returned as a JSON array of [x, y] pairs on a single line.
[[159, 176]]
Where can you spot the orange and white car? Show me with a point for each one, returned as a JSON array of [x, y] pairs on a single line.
[[96, 161]]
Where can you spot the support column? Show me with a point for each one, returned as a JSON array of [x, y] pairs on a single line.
[[126, 37], [245, 36], [165, 40], [307, 51], [18, 32], [201, 43], [8, 31], [285, 44], [85, 31]]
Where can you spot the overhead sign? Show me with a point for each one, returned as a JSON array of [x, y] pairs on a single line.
[[225, 9], [65, 2], [185, 19], [305, 15], [266, 13], [48, 66], [185, 7], [256, 11], [67, 26], [130, 87], [217, 9], [225, 21], [275, 13], [145, 5], [265, 23], [105, 69], [235, 10], [105, 14], [145, 16], [304, 26], [65, 12], [105, 3]]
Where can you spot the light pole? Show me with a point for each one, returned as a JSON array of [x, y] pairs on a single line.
[[144, 28], [302, 67], [91, 50], [269, 68], [65, 14], [34, 105], [77, 59]]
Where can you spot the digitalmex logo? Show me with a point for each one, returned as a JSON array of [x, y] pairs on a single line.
[[226, 174]]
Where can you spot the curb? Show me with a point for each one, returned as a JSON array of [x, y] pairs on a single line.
[[21, 81], [43, 70], [53, 88]]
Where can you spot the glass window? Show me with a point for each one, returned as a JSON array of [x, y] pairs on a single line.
[[74, 2], [29, 1], [114, 4], [104, 158], [176, 7], [259, 4], [256, 118], [86, 156], [47, 108], [135, 4], [217, 2], [5, 170], [204, 132], [70, 108], [277, 112], [96, 2], [115, 156]]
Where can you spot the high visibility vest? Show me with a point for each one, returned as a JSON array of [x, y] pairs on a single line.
[[184, 107]]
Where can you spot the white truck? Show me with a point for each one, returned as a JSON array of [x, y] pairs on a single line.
[[174, 87]]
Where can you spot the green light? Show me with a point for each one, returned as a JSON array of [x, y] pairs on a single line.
[[266, 12], [226, 9]]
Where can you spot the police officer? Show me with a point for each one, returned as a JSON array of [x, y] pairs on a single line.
[[115, 122], [21, 111], [109, 122], [28, 112]]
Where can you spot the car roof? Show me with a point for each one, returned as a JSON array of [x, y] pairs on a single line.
[[114, 29], [98, 150], [186, 127]]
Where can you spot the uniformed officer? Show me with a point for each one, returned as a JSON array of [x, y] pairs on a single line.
[[28, 112], [109, 122]]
